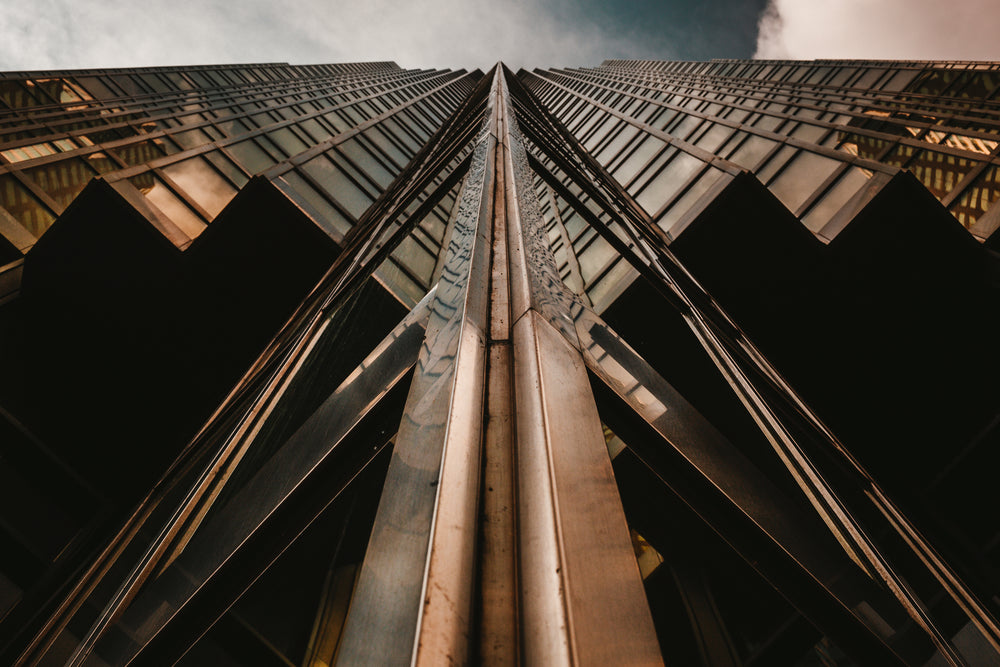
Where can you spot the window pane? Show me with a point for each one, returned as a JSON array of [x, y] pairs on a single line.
[[202, 184], [338, 185], [752, 152], [62, 180], [323, 212], [801, 177], [23, 206], [940, 172], [835, 198], [250, 156], [168, 203], [976, 200], [666, 184]]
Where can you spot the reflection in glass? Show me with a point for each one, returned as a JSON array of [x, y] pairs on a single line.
[[140, 152], [102, 163], [835, 198], [801, 177], [169, 204], [338, 185], [939, 172], [752, 151], [62, 180], [689, 204], [191, 138], [668, 182], [17, 96], [971, 205], [20, 204], [250, 156], [29, 152], [323, 213], [201, 183], [227, 167]]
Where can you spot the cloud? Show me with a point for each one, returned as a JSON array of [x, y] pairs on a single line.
[[880, 29], [54, 34]]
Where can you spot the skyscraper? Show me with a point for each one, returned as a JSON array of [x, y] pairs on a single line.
[[649, 361]]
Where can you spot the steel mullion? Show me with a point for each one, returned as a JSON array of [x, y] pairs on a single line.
[[413, 601], [582, 599]]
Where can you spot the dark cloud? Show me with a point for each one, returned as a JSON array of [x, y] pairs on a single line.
[[682, 29]]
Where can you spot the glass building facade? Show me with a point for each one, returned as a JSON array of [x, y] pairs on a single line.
[[652, 362]]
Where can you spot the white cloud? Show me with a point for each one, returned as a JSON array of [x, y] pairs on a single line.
[[880, 29], [50, 34]]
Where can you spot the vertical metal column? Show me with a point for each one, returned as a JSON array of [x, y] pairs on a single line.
[[582, 600], [414, 599], [556, 581]]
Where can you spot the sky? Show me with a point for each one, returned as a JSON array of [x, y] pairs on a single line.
[[61, 34]]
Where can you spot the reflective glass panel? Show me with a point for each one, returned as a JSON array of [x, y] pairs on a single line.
[[201, 183]]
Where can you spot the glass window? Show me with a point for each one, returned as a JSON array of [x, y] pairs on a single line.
[[250, 156], [668, 182], [378, 137], [95, 87], [594, 258], [232, 126], [611, 285], [315, 130], [364, 160], [399, 282], [940, 172], [62, 180], [201, 183], [615, 145], [811, 133], [191, 138], [168, 203], [775, 163], [287, 141], [768, 122], [835, 198], [713, 138], [801, 177], [227, 167], [16, 95], [685, 127], [20, 203], [155, 83], [338, 185], [322, 211], [976, 200], [901, 80], [101, 163], [688, 201], [628, 169], [416, 258], [140, 152], [574, 223], [599, 131], [752, 151], [29, 152]]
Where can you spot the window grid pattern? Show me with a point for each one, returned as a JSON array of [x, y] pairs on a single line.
[[815, 133], [189, 148]]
